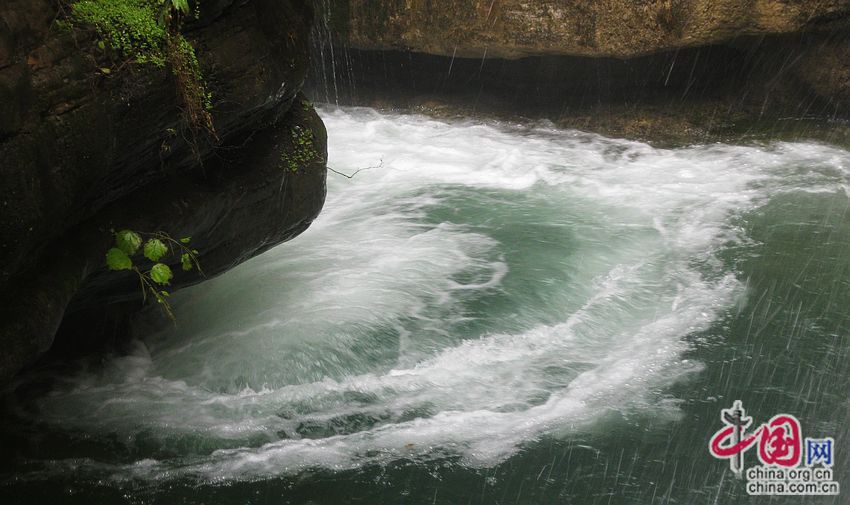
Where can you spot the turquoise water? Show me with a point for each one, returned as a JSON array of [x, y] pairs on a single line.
[[493, 313]]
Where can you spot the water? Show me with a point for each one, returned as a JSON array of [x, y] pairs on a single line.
[[493, 313]]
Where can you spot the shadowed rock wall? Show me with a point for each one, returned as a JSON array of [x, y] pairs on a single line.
[[82, 152]]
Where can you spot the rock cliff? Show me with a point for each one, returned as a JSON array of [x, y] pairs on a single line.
[[613, 28], [687, 70], [84, 150]]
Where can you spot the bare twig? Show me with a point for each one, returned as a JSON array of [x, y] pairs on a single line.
[[379, 165]]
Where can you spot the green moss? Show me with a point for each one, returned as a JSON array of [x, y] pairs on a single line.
[[303, 150], [190, 82], [131, 27], [148, 31], [185, 62]]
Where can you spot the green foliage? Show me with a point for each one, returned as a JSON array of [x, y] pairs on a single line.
[[156, 247], [303, 149], [131, 27], [190, 82], [148, 31], [128, 241], [180, 6], [161, 273], [117, 259]]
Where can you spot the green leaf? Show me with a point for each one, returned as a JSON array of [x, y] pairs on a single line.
[[186, 240], [186, 260], [155, 249], [128, 241], [161, 273], [116, 259], [181, 5]]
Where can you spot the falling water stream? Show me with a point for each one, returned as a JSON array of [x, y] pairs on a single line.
[[491, 313]]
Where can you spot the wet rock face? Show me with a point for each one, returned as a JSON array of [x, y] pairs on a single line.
[[729, 61], [825, 69], [82, 151], [615, 28]]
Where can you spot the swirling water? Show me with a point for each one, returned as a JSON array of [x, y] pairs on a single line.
[[490, 313]]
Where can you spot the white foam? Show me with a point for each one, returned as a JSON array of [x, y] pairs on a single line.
[[362, 316]]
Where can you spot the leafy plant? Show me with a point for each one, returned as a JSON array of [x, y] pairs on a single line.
[[180, 6], [148, 32], [303, 151], [157, 245]]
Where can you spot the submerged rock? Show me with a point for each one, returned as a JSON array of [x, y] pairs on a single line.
[[84, 151]]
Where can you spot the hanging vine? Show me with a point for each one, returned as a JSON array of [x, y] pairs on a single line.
[[143, 253]]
